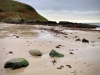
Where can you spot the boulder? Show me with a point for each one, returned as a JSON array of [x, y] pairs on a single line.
[[16, 63], [54, 53], [35, 52], [85, 40]]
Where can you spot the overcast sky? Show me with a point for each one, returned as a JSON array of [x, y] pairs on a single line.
[[67, 10]]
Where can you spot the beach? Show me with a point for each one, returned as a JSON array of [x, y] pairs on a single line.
[[19, 39]]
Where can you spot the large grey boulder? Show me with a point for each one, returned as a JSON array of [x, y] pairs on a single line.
[[16, 63], [35, 52], [54, 53]]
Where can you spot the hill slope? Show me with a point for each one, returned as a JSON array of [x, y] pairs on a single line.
[[15, 11]]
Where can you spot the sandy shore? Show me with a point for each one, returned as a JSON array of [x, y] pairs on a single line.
[[84, 61]]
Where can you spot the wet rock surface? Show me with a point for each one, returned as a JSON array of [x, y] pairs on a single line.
[[16, 63]]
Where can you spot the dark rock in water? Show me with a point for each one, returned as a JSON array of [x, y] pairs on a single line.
[[54, 53], [85, 40], [16, 63], [35, 52], [77, 40]]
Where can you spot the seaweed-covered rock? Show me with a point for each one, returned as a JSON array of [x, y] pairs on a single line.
[[16, 63], [35, 52], [54, 53], [85, 40], [77, 40]]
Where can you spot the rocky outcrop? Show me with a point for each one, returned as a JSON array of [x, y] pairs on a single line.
[[77, 25], [16, 63], [54, 53], [35, 53]]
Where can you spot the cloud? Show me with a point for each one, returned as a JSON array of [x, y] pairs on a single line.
[[67, 9], [72, 15], [59, 5]]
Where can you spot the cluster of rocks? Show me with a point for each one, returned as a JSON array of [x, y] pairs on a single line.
[[77, 25], [16, 63], [54, 23], [83, 40]]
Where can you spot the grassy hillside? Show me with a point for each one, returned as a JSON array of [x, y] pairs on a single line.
[[15, 11]]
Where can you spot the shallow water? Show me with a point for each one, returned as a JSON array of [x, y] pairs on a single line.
[[98, 28]]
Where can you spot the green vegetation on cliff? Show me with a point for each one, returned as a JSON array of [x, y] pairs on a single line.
[[13, 11]]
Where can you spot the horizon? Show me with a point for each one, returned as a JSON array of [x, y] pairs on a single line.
[[55, 10]]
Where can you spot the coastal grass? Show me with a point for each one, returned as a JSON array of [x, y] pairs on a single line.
[[13, 11]]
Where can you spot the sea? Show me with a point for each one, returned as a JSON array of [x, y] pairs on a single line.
[[98, 24]]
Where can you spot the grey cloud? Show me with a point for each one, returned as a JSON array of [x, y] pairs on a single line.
[[67, 9], [58, 5]]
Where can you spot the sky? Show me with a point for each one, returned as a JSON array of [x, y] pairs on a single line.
[[81, 11]]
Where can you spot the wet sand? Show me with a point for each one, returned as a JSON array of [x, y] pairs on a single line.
[[84, 61]]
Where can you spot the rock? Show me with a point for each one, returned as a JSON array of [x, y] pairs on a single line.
[[17, 36], [98, 37], [16, 63], [77, 40], [54, 53], [57, 47], [10, 52], [35, 52], [71, 53], [85, 40]]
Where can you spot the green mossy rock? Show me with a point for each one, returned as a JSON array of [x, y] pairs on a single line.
[[16, 63], [85, 40], [54, 53]]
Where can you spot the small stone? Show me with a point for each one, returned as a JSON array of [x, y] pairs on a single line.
[[77, 40], [57, 47], [71, 53], [10, 52], [98, 37], [17, 36]]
